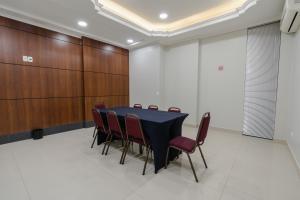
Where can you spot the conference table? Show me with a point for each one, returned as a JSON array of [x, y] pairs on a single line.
[[159, 126]]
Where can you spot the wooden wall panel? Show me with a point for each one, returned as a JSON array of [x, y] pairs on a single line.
[[26, 114], [99, 60], [97, 84], [14, 44], [96, 65], [38, 82], [46, 52], [67, 77], [106, 75], [10, 23], [63, 55], [45, 93]]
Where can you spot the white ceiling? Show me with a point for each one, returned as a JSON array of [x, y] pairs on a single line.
[[62, 15]]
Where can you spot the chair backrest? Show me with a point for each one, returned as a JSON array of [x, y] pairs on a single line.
[[100, 106], [134, 128], [113, 122], [137, 105], [152, 107], [203, 128], [98, 120], [174, 109]]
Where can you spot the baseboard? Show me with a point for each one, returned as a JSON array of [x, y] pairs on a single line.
[[225, 130], [47, 131], [297, 164], [190, 125], [280, 141], [88, 124]]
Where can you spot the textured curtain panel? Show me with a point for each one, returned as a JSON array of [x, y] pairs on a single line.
[[263, 46]]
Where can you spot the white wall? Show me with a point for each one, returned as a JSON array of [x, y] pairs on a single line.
[[293, 136], [186, 76], [222, 92], [283, 91], [145, 75], [181, 79]]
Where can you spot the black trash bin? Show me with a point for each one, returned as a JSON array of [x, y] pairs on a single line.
[[37, 134]]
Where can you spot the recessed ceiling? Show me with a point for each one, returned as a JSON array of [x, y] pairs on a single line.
[[63, 16], [176, 9], [139, 16]]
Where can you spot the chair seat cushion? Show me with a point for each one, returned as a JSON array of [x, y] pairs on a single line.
[[183, 143]]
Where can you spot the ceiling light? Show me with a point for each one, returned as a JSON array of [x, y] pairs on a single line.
[[82, 23], [130, 41], [163, 15]]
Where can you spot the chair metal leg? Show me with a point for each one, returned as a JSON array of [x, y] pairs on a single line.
[[95, 137], [192, 166], [167, 158], [105, 143], [108, 145], [125, 154], [202, 156], [148, 150], [127, 143], [94, 131]]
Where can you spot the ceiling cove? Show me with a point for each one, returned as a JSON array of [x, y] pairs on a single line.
[[229, 10]]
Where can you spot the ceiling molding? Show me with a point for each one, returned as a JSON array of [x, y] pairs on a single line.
[[114, 11], [47, 24]]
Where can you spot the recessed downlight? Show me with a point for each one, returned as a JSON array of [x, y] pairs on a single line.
[[163, 15], [82, 23], [130, 41]]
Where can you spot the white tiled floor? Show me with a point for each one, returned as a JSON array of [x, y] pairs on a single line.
[[64, 167]]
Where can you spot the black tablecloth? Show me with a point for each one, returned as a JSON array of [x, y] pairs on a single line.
[[159, 126]]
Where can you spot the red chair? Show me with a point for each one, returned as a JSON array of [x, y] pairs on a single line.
[[100, 106], [114, 130], [134, 133], [99, 125], [152, 107], [188, 145], [174, 109], [138, 106]]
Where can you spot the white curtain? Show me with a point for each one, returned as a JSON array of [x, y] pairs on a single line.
[[263, 50]]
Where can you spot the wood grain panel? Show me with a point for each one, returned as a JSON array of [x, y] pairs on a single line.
[[97, 84], [27, 114], [106, 79], [64, 83], [64, 111], [104, 46], [119, 85], [36, 113], [8, 81], [60, 54], [46, 52], [36, 82], [90, 102], [67, 77], [45, 93], [96, 60], [14, 44], [10, 23]]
